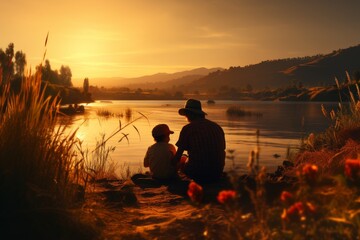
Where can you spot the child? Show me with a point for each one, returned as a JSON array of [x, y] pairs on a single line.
[[159, 156]]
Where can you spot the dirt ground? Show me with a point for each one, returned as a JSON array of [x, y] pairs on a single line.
[[124, 210]]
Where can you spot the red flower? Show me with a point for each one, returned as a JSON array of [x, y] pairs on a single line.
[[310, 172], [294, 212], [352, 169], [298, 211], [226, 196], [195, 192], [286, 197], [296, 208]]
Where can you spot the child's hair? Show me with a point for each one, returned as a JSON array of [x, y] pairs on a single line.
[[159, 138]]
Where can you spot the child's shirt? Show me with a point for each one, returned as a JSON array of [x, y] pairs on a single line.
[[159, 159]]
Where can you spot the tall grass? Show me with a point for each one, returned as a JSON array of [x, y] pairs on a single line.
[[314, 206], [97, 164], [341, 139], [37, 160]]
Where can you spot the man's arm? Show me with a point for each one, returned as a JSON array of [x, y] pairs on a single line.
[[178, 155]]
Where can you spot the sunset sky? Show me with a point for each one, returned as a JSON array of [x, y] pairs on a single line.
[[118, 38]]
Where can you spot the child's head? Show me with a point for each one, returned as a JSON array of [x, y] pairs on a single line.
[[161, 133]]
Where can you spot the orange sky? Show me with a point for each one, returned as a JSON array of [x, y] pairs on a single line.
[[118, 38]]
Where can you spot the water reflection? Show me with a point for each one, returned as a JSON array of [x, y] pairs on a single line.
[[282, 125]]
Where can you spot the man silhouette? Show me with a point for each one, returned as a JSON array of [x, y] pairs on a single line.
[[204, 142]]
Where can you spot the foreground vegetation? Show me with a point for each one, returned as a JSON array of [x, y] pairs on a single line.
[[42, 179], [320, 191]]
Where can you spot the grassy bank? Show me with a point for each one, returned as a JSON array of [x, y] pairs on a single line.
[[40, 176]]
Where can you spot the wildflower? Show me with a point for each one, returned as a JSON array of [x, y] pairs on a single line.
[[297, 207], [286, 197], [295, 212], [310, 172], [352, 169], [226, 196], [195, 192], [298, 211]]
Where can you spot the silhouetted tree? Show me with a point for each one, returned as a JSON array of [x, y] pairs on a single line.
[[65, 76], [47, 74], [86, 86], [52, 76], [6, 62], [20, 62]]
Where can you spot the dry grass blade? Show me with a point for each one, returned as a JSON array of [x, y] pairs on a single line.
[[119, 130], [125, 135], [144, 117], [348, 77], [137, 131], [339, 88], [323, 110], [46, 39], [43, 59], [357, 90], [337, 83]]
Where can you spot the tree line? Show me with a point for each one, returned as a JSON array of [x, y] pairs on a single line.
[[12, 65]]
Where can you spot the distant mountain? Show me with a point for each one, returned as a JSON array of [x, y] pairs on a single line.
[[325, 68], [309, 71], [159, 80], [167, 84], [164, 80]]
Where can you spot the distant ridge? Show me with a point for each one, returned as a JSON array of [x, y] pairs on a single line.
[[325, 68], [309, 71], [318, 70], [154, 79]]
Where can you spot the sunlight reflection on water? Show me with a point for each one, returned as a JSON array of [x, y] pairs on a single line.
[[282, 125]]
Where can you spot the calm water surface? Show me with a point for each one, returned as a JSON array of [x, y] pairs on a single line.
[[282, 125]]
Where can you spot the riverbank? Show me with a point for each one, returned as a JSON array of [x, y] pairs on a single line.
[[146, 210], [332, 93], [293, 203]]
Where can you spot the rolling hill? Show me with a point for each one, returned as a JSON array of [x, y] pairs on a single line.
[[309, 71], [318, 70], [157, 80]]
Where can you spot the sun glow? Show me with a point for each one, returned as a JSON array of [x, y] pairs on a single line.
[[117, 38]]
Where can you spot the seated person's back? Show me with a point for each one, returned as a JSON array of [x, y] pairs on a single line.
[[204, 140], [159, 156]]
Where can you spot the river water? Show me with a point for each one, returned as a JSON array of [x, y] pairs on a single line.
[[281, 126]]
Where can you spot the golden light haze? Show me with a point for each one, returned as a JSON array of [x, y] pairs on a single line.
[[116, 38]]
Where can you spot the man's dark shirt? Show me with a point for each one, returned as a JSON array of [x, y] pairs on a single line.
[[204, 141]]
